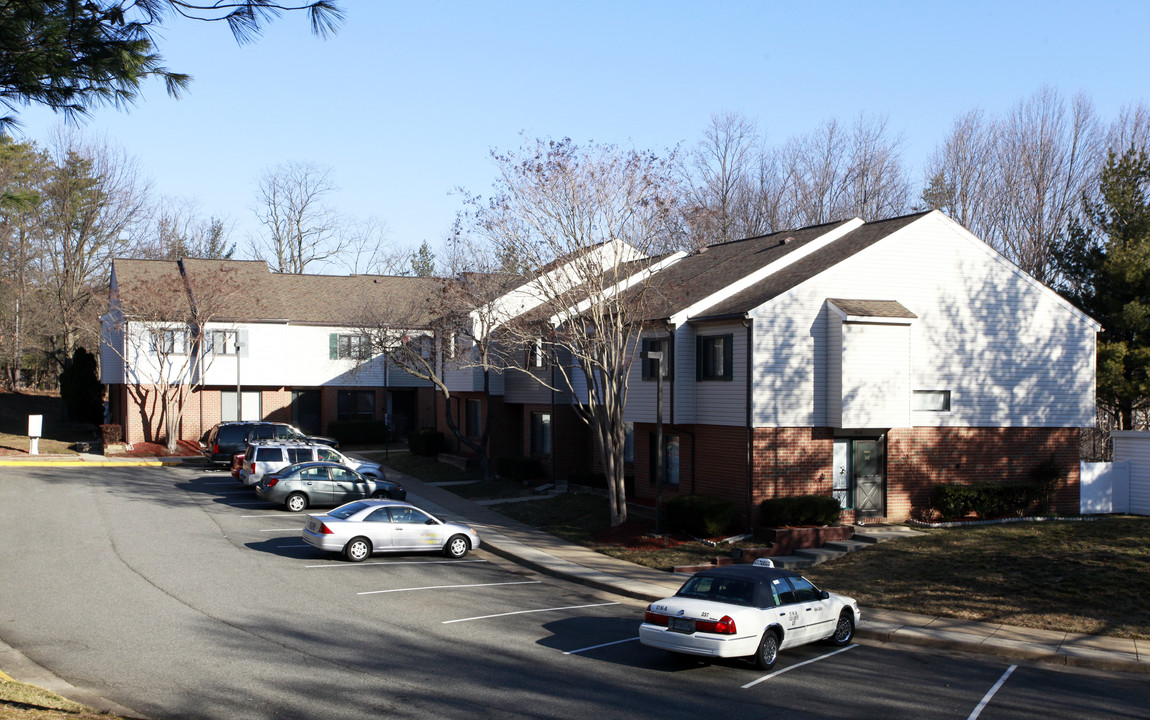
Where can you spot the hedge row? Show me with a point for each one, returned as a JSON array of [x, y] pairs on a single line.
[[358, 432], [987, 500], [819, 510]]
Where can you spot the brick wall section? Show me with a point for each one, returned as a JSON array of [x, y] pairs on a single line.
[[275, 404], [918, 458], [572, 443]]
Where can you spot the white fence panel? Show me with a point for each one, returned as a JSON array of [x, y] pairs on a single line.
[[1104, 488], [1134, 446]]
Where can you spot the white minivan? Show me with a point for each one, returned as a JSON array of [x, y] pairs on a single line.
[[266, 456]]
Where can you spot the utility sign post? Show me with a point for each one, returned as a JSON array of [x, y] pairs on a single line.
[[35, 430]]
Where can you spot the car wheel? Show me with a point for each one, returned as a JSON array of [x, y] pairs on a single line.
[[357, 549], [768, 651], [296, 502], [844, 630], [456, 547]]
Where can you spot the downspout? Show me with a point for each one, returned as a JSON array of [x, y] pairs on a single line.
[[750, 325]]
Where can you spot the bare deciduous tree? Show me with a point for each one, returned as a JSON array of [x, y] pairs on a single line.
[[582, 222], [299, 228]]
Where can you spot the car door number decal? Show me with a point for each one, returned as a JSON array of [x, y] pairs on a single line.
[[793, 617]]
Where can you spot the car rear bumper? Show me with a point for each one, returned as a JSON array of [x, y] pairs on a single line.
[[324, 542], [704, 644]]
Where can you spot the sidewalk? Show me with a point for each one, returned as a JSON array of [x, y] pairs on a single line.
[[548, 554]]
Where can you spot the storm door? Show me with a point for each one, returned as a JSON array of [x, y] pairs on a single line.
[[858, 481], [869, 475]]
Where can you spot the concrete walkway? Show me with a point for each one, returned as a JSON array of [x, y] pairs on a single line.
[[548, 554]]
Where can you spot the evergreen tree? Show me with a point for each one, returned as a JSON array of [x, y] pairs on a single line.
[[423, 261], [73, 54], [1105, 268]]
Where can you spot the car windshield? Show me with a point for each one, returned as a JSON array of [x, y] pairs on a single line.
[[719, 589], [343, 512]]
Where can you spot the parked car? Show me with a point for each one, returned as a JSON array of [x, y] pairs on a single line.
[[359, 529], [238, 466], [267, 456], [751, 611], [224, 440], [298, 487]]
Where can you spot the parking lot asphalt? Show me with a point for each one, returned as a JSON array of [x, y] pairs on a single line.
[[548, 554]]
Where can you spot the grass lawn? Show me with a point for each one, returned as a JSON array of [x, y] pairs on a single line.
[[1089, 577]]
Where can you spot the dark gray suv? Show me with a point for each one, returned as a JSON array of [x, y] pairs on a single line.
[[227, 439]]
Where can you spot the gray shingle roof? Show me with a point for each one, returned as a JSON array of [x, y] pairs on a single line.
[[243, 290], [873, 308], [715, 267], [834, 253]]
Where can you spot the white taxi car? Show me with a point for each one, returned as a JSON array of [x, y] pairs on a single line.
[[751, 611]]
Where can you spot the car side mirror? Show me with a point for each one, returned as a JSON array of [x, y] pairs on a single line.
[[429, 521], [825, 595]]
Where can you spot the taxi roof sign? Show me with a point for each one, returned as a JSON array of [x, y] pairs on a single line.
[[764, 562]]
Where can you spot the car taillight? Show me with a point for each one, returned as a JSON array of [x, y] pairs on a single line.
[[325, 530], [725, 626], [216, 448], [654, 618], [271, 482]]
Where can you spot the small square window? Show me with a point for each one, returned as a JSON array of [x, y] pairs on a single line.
[[931, 400]]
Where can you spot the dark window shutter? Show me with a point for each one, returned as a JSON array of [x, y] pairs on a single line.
[[333, 346], [728, 357], [644, 361]]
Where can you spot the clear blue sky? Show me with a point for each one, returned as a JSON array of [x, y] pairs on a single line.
[[407, 100]]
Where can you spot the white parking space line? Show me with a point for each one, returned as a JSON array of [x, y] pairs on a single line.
[[399, 562], [792, 667], [272, 516], [449, 587], [596, 647], [986, 698], [527, 612]]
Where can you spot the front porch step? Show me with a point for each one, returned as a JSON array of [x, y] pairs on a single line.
[[818, 556], [883, 533], [847, 546]]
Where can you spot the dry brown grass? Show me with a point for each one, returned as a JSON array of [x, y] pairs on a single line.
[[19, 701]]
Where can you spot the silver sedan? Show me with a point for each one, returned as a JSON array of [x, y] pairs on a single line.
[[361, 528], [322, 483]]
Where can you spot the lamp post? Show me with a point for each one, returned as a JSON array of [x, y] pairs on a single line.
[[657, 357], [239, 392]]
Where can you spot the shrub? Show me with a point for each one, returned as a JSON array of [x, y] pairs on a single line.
[[111, 435], [817, 510], [358, 432], [699, 515], [987, 500], [427, 442], [519, 468]]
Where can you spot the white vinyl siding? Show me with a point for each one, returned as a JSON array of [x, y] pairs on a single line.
[[875, 384], [722, 402], [284, 355], [1010, 351]]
